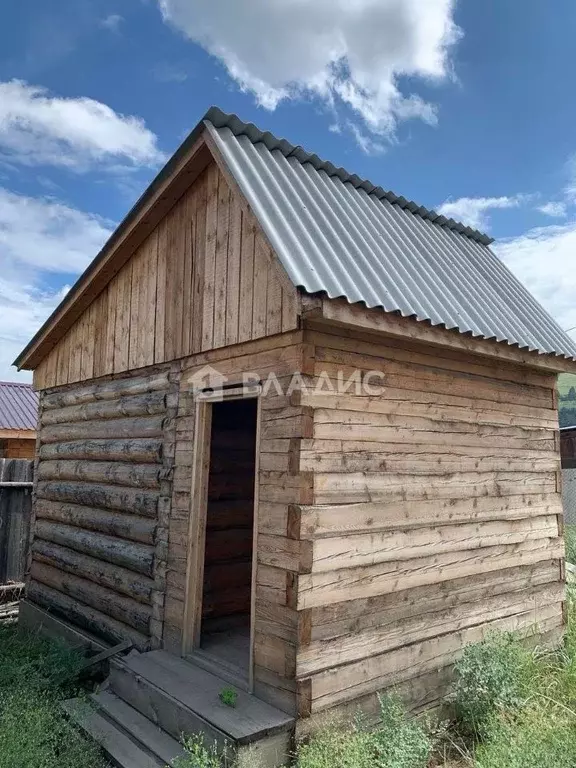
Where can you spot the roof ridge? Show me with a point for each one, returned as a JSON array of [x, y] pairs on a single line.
[[25, 384], [220, 119]]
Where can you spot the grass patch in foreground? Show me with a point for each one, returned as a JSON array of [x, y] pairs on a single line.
[[36, 674]]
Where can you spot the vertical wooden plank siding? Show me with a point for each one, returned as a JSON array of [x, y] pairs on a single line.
[[205, 278], [435, 517]]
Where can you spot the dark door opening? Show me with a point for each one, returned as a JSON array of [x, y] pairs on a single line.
[[227, 589]]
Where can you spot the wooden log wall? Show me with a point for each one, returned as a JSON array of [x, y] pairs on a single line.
[[280, 484], [436, 515], [102, 505], [204, 278]]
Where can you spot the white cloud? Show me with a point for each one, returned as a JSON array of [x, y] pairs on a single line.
[[112, 22], [543, 259], [554, 209], [37, 128], [47, 234], [24, 308], [335, 49], [40, 239], [473, 210]]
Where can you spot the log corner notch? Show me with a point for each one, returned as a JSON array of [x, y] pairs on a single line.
[[102, 505], [320, 311]]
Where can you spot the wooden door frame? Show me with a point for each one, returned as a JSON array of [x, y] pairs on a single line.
[[204, 400]]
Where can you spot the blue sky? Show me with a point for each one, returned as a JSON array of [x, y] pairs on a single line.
[[466, 107]]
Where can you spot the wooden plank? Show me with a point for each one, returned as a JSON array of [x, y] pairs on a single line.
[[366, 487], [344, 519], [260, 306], [210, 257], [197, 528], [122, 325], [199, 263], [246, 280], [395, 402], [318, 589], [146, 310], [161, 303], [233, 276], [391, 634], [188, 235], [356, 679], [370, 548], [273, 300], [221, 262], [137, 286]]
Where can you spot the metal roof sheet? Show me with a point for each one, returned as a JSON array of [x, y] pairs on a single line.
[[18, 406], [341, 235]]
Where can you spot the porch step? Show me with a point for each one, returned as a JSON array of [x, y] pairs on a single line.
[[148, 735], [116, 743], [182, 698]]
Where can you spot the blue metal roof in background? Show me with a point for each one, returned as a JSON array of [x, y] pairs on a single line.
[[338, 234], [18, 406]]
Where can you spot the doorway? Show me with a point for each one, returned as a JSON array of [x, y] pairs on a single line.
[[221, 565]]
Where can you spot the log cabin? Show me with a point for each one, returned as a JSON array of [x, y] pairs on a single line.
[[298, 435]]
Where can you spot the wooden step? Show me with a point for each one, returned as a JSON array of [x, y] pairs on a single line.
[[138, 727], [124, 751], [183, 699]]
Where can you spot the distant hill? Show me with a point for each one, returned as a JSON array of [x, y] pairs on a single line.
[[567, 399]]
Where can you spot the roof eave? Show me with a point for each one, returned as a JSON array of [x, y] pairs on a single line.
[[341, 313]]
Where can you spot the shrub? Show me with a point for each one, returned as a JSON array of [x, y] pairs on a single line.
[[336, 747], [399, 742], [490, 677]]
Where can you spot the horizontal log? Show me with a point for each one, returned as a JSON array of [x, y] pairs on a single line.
[[338, 619], [471, 411], [75, 612], [147, 404], [146, 451], [317, 589], [350, 681], [135, 557], [107, 472], [352, 647], [366, 549], [110, 603], [113, 576], [432, 464], [107, 496], [108, 390], [341, 519], [139, 426], [361, 486], [119, 524]]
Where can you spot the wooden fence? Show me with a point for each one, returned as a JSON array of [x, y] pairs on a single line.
[[15, 512]]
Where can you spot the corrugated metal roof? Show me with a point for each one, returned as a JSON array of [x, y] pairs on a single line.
[[338, 234], [18, 406]]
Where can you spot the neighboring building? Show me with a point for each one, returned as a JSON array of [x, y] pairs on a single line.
[[312, 538], [18, 419], [568, 452]]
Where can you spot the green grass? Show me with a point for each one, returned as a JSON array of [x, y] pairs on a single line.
[[36, 674], [570, 539]]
